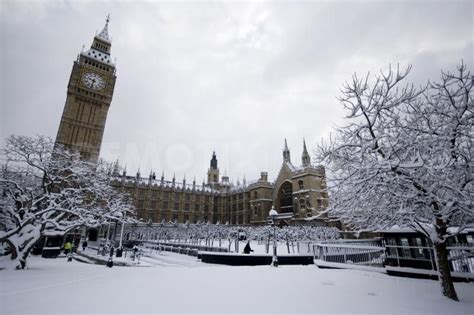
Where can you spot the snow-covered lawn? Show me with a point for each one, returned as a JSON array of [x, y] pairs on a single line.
[[174, 283]]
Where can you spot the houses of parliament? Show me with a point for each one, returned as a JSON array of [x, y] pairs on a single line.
[[299, 190]]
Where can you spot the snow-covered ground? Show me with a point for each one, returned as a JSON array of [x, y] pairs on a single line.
[[174, 283]]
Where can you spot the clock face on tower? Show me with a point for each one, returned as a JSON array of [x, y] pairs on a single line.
[[93, 81]]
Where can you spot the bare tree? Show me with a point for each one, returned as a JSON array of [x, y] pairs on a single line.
[[49, 192], [405, 158]]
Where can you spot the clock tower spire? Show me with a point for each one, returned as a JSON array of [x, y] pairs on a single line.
[[89, 94]]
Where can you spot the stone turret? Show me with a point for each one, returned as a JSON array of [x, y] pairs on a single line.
[[213, 172]]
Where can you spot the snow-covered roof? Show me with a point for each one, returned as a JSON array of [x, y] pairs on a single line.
[[98, 56], [317, 170], [455, 229], [259, 183], [428, 227], [291, 166], [399, 229]]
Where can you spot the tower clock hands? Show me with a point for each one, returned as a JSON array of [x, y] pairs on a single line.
[[93, 81]]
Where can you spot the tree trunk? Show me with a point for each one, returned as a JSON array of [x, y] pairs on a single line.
[[444, 274], [18, 257], [22, 244], [22, 259], [13, 248]]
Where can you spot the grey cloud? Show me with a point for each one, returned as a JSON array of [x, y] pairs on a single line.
[[234, 77]]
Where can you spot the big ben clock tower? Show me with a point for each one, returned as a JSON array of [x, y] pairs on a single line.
[[89, 94]]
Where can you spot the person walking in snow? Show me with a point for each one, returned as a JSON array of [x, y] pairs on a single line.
[[84, 245], [112, 250], [135, 252], [67, 247], [247, 248]]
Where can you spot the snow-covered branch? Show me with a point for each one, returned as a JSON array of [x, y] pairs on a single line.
[[405, 157], [49, 191]]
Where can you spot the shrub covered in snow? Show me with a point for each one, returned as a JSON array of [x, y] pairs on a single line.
[[258, 233]]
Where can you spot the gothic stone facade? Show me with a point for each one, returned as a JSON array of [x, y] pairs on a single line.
[[297, 190]]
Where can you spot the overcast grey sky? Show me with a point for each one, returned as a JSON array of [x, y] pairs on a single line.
[[198, 76]]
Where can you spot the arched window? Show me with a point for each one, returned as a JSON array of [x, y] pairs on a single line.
[[285, 196], [301, 184]]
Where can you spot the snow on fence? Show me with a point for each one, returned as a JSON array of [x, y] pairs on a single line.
[[378, 242], [350, 253], [460, 257], [375, 253]]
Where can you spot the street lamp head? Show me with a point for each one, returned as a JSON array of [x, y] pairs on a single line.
[[272, 212]]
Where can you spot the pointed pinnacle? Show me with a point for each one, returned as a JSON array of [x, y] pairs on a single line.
[[304, 146]]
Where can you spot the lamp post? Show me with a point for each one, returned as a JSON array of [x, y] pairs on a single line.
[[108, 231], [273, 214], [120, 248], [121, 235]]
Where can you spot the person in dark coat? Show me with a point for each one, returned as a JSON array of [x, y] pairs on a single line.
[[84, 245], [247, 248]]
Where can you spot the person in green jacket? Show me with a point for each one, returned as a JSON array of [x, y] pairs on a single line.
[[67, 247]]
